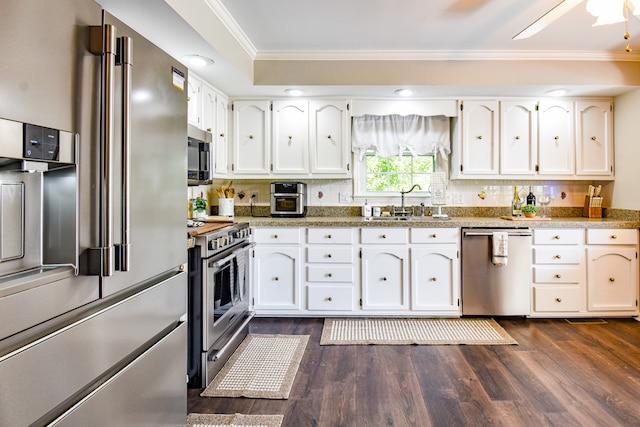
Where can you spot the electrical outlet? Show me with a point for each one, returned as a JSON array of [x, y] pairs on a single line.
[[344, 198], [458, 198]]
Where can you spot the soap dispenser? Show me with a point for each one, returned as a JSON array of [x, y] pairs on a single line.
[[366, 209]]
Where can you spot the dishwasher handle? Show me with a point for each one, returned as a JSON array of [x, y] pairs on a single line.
[[516, 233]]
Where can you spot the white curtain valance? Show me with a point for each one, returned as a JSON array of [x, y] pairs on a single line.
[[391, 135]]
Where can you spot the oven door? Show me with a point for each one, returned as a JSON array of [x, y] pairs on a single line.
[[226, 293]]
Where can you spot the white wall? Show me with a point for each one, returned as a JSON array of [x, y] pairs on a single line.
[[626, 129]]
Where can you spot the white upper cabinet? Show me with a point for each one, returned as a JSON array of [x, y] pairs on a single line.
[[251, 129], [479, 138], [329, 138], [194, 101], [291, 137], [208, 121], [518, 137], [556, 138], [220, 136], [594, 139]]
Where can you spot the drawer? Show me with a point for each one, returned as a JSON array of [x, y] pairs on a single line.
[[557, 298], [558, 236], [560, 274], [330, 298], [435, 235], [330, 254], [330, 236], [276, 235], [384, 236], [330, 273], [558, 255], [612, 236]]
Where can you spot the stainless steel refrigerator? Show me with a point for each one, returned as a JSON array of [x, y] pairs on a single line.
[[93, 159]]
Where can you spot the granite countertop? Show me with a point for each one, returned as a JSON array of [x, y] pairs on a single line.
[[425, 222]]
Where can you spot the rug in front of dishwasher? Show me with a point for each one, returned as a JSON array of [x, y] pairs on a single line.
[[263, 366], [414, 331]]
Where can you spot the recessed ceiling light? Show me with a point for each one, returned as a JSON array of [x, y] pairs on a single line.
[[294, 92], [197, 61], [557, 92], [404, 92]]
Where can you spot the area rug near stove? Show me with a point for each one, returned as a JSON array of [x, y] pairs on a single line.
[[233, 420], [414, 331], [263, 366]]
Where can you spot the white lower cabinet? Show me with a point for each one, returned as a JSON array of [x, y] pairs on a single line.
[[276, 269], [384, 278], [612, 270]]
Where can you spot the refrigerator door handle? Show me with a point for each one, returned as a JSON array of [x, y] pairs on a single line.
[[124, 59], [103, 43]]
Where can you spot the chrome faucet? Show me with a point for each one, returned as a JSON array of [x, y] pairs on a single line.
[[402, 193]]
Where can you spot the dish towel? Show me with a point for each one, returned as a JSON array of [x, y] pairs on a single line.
[[500, 252]]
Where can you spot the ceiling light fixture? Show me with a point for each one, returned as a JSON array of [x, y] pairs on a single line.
[[613, 12], [197, 61], [294, 92], [557, 92], [404, 92]]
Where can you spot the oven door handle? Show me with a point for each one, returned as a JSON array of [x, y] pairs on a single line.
[[218, 264]]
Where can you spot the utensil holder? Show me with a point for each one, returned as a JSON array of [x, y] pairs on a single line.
[[225, 207], [592, 207]]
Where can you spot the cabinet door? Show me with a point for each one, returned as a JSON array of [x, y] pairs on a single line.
[[556, 138], [518, 137], [479, 138], [594, 140], [220, 135], [434, 279], [290, 137], [251, 137], [208, 108], [194, 101], [277, 277], [612, 279], [329, 142], [384, 279]]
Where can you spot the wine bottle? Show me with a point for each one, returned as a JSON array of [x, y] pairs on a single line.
[[516, 204], [531, 198]]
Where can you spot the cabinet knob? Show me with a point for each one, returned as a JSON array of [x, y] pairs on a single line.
[[276, 279], [384, 236], [434, 236], [384, 279], [612, 279], [275, 236], [556, 137], [328, 236], [290, 137], [222, 135], [593, 138], [208, 129], [250, 136], [556, 237], [188, 98], [479, 136], [329, 255], [329, 299], [329, 275], [434, 279], [558, 299], [558, 276], [614, 236], [328, 136], [517, 136], [558, 257]]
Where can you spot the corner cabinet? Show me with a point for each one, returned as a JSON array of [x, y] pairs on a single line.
[[537, 139], [298, 139]]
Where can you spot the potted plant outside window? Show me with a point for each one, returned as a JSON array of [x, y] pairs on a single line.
[[530, 211]]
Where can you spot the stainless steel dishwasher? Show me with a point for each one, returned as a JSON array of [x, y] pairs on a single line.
[[496, 290]]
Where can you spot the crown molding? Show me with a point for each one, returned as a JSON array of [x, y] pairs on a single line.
[[414, 55], [232, 26]]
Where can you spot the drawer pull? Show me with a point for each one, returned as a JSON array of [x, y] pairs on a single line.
[[250, 136], [328, 236], [558, 299], [434, 279], [434, 235], [558, 276], [614, 236], [329, 255], [479, 136], [384, 236], [329, 299], [517, 136], [329, 136], [275, 279], [275, 236], [329, 275], [556, 237], [384, 279], [558, 257], [612, 279]]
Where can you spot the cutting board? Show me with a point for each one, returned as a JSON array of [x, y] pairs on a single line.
[[207, 228], [217, 218], [524, 218]]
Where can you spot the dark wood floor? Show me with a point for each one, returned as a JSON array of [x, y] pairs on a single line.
[[560, 374]]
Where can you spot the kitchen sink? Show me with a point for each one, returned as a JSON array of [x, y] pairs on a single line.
[[409, 218]]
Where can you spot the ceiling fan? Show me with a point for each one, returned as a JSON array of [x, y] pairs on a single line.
[[606, 12]]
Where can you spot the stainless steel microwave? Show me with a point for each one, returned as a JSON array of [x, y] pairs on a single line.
[[288, 199], [199, 156]]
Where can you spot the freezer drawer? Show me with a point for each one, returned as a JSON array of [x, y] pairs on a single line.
[[149, 391]]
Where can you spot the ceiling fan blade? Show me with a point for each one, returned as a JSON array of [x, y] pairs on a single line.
[[546, 19]]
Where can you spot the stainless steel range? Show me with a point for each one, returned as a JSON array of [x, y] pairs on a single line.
[[219, 309]]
